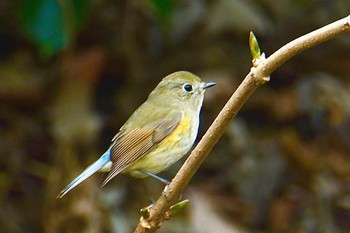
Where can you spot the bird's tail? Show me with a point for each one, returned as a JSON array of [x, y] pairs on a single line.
[[96, 166]]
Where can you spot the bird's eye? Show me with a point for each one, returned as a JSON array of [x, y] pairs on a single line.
[[188, 87]]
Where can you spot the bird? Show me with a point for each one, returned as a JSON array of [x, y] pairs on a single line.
[[159, 133]]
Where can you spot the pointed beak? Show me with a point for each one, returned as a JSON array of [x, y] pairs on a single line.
[[207, 85]]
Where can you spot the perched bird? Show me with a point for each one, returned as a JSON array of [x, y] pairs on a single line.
[[158, 133]]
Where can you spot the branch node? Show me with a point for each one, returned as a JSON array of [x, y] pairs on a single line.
[[145, 212], [258, 71], [144, 223]]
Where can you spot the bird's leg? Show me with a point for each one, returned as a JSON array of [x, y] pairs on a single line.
[[161, 179], [145, 211]]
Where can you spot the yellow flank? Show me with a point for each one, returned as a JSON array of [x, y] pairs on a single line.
[[172, 139], [170, 150]]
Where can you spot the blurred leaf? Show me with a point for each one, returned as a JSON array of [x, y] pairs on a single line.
[[163, 9], [43, 23], [81, 9], [51, 25]]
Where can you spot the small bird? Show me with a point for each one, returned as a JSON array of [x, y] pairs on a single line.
[[157, 134]]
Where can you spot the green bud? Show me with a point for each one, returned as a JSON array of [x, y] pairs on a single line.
[[254, 46], [178, 207]]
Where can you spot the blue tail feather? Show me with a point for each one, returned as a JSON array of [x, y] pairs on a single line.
[[93, 168]]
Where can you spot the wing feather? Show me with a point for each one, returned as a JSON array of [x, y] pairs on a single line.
[[129, 147]]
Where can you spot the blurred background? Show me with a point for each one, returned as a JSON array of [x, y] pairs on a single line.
[[72, 72]]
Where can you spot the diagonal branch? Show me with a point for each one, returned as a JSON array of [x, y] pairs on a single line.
[[257, 76]]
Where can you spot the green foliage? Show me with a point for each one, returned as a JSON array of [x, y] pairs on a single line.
[[52, 24], [80, 10], [163, 10]]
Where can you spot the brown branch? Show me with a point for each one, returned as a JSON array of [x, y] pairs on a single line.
[[258, 75]]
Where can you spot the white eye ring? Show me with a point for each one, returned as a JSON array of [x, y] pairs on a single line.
[[188, 87]]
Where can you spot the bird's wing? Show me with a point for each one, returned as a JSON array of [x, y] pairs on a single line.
[[130, 146]]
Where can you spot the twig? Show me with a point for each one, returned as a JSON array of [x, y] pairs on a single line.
[[258, 75]]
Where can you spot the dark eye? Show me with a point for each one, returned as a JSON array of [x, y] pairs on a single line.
[[188, 87]]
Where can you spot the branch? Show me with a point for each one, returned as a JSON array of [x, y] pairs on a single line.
[[258, 75]]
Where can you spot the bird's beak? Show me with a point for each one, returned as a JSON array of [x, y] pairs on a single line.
[[207, 85]]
